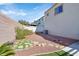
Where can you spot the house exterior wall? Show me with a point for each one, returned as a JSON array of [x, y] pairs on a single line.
[[7, 29], [40, 25], [65, 24]]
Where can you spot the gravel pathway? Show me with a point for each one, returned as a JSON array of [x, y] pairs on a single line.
[[42, 45]]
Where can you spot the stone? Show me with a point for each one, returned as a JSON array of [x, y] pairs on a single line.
[[51, 45]]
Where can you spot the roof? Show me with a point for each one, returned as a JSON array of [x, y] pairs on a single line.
[[55, 4]]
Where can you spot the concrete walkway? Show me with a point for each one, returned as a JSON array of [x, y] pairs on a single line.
[[73, 49]]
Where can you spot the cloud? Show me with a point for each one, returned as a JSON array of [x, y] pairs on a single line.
[[17, 12], [14, 12], [5, 3], [2, 3], [35, 8], [10, 9]]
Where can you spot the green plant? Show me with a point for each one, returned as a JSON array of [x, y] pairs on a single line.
[[58, 53], [25, 43], [23, 22], [27, 32], [6, 50], [21, 33]]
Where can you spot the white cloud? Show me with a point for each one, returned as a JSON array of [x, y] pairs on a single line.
[[6, 4], [21, 13], [36, 8], [2, 3], [11, 12], [14, 12]]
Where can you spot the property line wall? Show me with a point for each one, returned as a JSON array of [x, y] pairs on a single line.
[[7, 29]]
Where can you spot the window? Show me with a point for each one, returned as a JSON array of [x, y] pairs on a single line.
[[59, 9]]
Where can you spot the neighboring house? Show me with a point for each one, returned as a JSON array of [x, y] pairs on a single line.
[[63, 20], [34, 23], [40, 25], [32, 28], [7, 29]]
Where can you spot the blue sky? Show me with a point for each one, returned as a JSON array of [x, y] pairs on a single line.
[[25, 11]]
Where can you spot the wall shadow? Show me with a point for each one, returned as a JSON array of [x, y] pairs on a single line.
[[57, 39], [63, 41]]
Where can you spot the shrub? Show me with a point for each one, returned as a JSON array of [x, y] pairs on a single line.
[[6, 50], [21, 33], [27, 32], [23, 22]]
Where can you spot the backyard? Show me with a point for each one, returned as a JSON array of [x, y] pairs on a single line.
[[28, 43], [9, 48], [38, 47]]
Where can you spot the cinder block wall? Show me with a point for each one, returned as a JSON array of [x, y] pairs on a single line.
[[7, 29]]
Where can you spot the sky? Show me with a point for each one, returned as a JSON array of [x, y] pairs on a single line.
[[24, 11]]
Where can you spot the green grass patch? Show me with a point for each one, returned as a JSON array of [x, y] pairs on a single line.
[[58, 53]]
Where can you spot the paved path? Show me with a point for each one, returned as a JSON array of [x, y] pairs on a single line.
[[49, 46], [73, 49]]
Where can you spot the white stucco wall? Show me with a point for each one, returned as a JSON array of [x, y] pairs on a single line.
[[65, 24], [40, 26]]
